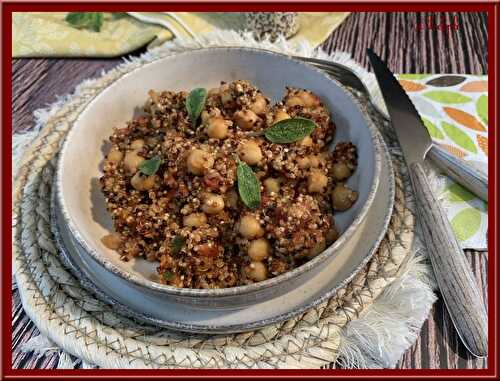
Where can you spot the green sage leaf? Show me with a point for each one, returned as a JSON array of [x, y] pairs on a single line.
[[177, 244], [168, 275], [195, 102], [248, 185], [149, 167], [85, 20], [289, 130]]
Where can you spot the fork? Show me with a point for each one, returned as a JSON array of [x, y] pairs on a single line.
[[345, 76], [457, 169]]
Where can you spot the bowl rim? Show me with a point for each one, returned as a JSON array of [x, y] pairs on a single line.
[[237, 290]]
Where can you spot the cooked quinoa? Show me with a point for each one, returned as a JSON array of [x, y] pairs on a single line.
[[189, 217]]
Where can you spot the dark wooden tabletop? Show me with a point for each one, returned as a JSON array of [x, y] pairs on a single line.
[[396, 37]]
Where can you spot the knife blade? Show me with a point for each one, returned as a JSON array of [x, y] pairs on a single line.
[[453, 274]]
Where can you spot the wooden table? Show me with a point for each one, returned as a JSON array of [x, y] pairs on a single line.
[[37, 83]]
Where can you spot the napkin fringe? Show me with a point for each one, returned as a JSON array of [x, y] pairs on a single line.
[[391, 325]]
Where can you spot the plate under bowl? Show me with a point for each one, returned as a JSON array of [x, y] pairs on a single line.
[[168, 312]]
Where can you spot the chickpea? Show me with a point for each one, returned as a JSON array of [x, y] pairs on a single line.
[[231, 199], [256, 271], [272, 185], [115, 156], [315, 161], [141, 182], [213, 91], [112, 241], [303, 98], [317, 249], [250, 152], [259, 249], [341, 171], [246, 119], [249, 227], [311, 161], [316, 181], [306, 141], [281, 115], [195, 220], [154, 96], [259, 105], [226, 96], [207, 115], [132, 161], [332, 235], [304, 162], [294, 101], [218, 127], [343, 197], [239, 88], [212, 203], [199, 161], [308, 99], [137, 144]]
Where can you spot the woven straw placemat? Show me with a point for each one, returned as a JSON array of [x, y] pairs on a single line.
[[85, 327]]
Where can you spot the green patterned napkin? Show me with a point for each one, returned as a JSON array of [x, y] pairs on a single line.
[[454, 109]]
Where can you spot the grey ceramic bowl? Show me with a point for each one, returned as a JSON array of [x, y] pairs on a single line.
[[82, 204], [161, 311]]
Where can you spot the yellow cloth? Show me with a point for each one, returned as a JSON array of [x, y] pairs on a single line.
[[47, 34]]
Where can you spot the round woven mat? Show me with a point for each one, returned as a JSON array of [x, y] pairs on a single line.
[[86, 327]]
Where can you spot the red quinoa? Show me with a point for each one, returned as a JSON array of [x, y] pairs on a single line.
[[188, 216]]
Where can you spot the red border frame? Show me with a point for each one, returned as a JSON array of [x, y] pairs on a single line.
[[492, 7]]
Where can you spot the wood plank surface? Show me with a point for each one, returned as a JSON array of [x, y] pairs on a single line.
[[38, 82]]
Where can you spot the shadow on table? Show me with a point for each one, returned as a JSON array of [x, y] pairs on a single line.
[[453, 343]]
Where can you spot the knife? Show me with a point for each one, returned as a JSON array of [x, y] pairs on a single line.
[[459, 170], [453, 274]]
